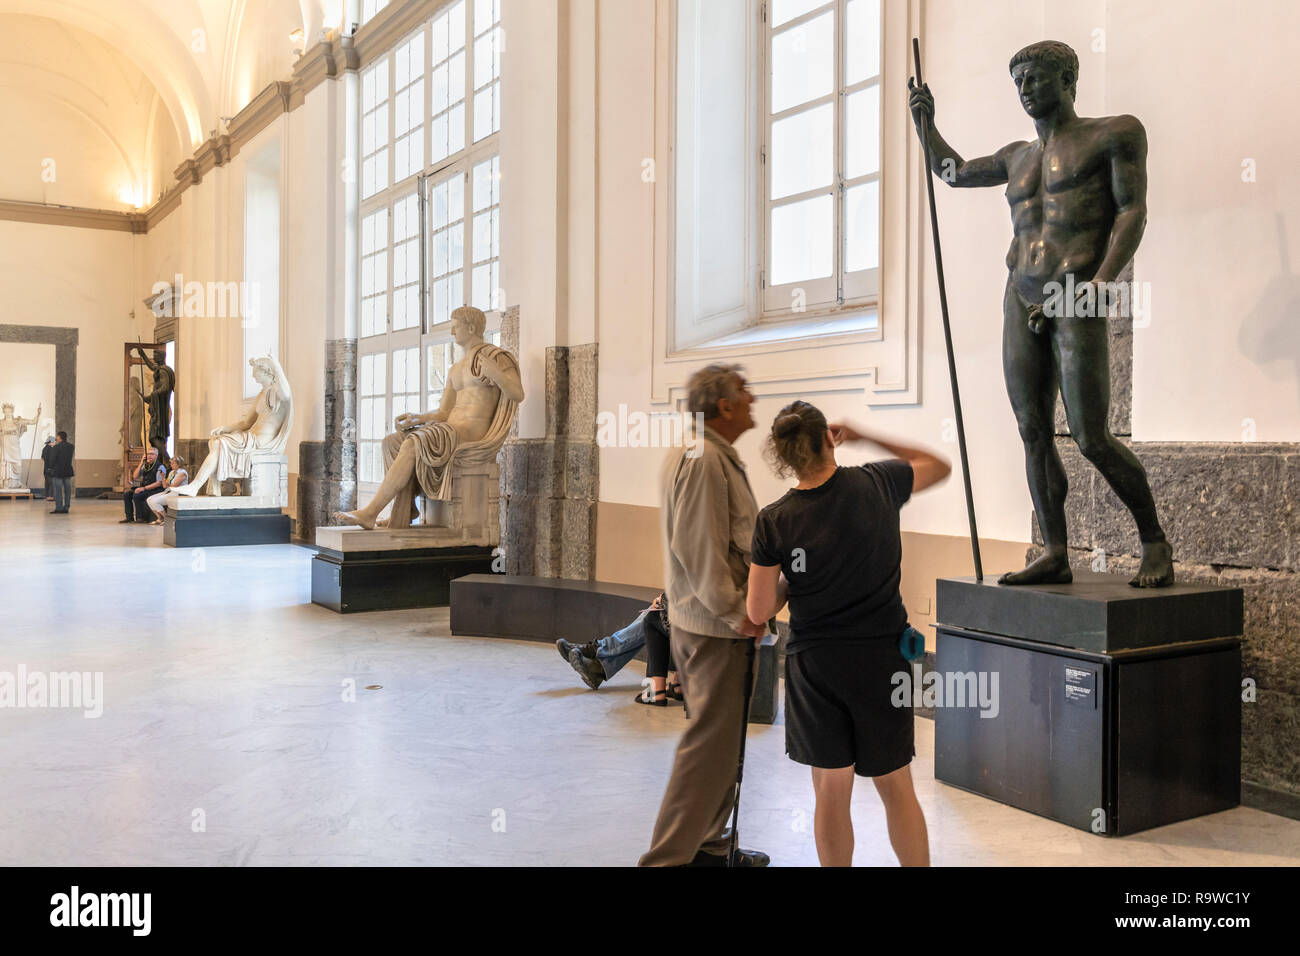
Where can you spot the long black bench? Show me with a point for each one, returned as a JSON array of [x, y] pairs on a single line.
[[547, 609]]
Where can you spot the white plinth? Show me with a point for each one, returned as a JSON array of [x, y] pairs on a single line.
[[182, 504], [352, 539], [269, 478]]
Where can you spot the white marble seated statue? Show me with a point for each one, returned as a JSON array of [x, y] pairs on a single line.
[[264, 430], [478, 406], [11, 453]]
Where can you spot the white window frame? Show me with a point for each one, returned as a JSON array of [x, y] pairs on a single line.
[[841, 290], [420, 183], [367, 10], [839, 353]]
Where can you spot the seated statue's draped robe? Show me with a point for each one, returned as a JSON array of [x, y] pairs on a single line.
[[437, 445], [235, 449]]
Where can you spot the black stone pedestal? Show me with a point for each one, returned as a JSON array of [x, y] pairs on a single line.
[[1116, 709], [389, 580], [228, 527]]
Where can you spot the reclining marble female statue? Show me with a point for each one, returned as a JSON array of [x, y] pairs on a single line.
[[478, 406], [264, 430]]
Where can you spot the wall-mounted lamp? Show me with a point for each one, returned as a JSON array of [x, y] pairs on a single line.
[[299, 40]]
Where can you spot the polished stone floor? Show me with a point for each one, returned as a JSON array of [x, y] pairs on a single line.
[[226, 736]]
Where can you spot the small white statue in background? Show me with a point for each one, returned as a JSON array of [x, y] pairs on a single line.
[[11, 454], [265, 429]]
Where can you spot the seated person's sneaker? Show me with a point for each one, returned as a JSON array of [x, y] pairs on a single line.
[[565, 648], [588, 668]]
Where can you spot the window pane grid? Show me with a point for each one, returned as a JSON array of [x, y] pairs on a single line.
[[488, 43], [444, 78], [406, 381], [375, 132], [372, 396], [822, 148], [406, 263], [408, 107], [447, 83], [446, 247], [371, 7], [374, 273], [486, 236]]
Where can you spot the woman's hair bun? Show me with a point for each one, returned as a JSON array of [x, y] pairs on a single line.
[[787, 425]]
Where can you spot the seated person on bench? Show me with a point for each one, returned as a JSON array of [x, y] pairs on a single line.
[[598, 661]]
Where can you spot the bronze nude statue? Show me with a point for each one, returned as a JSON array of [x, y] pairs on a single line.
[[1077, 193], [158, 401]]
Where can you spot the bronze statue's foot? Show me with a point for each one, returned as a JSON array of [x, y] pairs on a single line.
[[354, 517], [1051, 568], [1157, 568]]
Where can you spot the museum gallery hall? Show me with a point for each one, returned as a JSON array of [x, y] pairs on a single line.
[[764, 433]]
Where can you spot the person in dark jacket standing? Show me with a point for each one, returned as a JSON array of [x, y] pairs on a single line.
[[62, 473], [49, 473]]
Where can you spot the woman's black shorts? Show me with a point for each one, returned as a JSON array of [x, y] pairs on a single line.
[[838, 708]]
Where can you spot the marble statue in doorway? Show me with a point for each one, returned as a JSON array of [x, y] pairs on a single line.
[[11, 455]]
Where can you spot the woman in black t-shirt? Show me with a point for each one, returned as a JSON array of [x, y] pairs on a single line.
[[831, 546]]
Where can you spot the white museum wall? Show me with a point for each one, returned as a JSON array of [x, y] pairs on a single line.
[[203, 241], [76, 278], [28, 383]]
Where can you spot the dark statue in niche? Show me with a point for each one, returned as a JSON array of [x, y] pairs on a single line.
[[1078, 209], [159, 402]]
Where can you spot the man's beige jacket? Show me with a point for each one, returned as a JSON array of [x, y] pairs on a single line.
[[708, 513]]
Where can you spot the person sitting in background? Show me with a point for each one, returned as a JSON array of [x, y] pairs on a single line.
[[146, 480], [598, 661], [177, 477]]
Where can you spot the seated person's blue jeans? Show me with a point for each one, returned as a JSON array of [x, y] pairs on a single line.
[[615, 651]]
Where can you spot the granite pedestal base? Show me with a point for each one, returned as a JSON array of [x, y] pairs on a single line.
[[358, 570], [1114, 709], [223, 522]]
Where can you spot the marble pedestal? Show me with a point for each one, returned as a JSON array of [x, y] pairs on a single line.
[[224, 521], [382, 570], [269, 477], [1114, 710]]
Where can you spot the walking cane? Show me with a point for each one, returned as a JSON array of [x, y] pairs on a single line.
[[947, 328], [740, 761]]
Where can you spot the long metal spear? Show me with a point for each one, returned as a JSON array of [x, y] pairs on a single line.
[[947, 328]]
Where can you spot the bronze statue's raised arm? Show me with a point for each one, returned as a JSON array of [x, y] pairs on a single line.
[[1128, 178], [145, 358], [945, 161]]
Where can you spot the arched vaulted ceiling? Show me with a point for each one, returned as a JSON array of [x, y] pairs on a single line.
[[145, 80]]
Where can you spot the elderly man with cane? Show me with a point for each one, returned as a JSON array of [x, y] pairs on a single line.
[[708, 522]]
